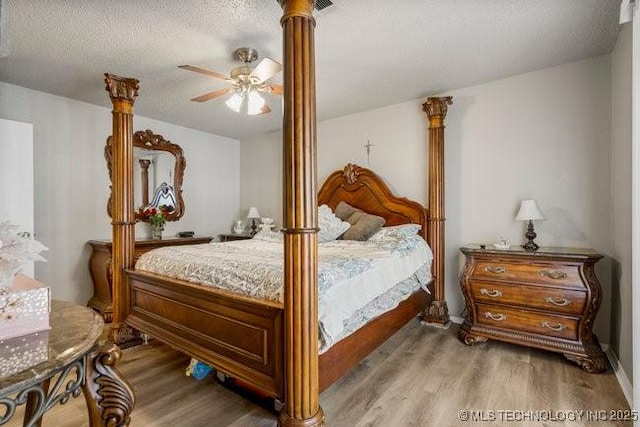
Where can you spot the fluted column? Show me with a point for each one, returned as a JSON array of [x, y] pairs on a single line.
[[301, 387], [436, 109], [122, 92], [144, 167]]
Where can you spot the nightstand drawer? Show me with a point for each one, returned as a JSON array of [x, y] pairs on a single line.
[[548, 299], [553, 274], [521, 320]]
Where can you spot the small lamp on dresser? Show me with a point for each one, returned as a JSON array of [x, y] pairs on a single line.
[[530, 211], [253, 215]]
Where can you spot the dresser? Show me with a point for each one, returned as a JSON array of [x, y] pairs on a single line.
[[100, 267], [546, 299]]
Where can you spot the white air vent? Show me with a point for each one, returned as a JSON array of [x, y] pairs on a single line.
[[323, 4]]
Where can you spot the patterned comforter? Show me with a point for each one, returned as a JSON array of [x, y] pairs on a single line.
[[357, 281]]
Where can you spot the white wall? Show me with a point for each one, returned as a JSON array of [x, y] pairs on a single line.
[[621, 259], [72, 183], [542, 135], [16, 177]]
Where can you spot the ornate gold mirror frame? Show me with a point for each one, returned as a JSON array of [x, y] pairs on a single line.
[[147, 140]]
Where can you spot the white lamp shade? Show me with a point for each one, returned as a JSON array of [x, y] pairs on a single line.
[[256, 104], [235, 102], [529, 211], [253, 213]]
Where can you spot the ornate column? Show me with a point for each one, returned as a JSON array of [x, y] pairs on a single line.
[[436, 109], [144, 166], [301, 386], [122, 92]]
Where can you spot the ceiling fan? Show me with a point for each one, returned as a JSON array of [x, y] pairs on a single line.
[[246, 83]]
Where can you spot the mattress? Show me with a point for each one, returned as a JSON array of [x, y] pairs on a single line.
[[357, 281]]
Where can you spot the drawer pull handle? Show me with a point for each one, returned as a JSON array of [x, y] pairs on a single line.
[[560, 302], [555, 275], [557, 327], [495, 269], [498, 317], [493, 294]]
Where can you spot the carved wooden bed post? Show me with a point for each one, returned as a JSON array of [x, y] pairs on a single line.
[[301, 380], [436, 109], [122, 92], [144, 167]]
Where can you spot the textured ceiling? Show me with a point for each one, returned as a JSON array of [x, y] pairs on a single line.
[[369, 53]]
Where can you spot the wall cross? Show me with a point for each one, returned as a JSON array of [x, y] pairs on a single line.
[[368, 146]]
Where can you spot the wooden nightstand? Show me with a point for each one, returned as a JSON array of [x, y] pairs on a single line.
[[100, 267], [546, 299], [234, 236]]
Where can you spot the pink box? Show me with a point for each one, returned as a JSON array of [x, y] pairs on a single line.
[[25, 308], [21, 353]]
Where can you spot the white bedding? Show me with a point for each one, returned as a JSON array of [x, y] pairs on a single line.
[[351, 274]]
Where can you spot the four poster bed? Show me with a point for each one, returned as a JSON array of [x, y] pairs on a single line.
[[242, 335], [274, 346]]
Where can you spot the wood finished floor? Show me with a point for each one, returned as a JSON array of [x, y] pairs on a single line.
[[422, 376]]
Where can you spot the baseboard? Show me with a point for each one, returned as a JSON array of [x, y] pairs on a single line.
[[452, 319], [621, 375], [456, 319]]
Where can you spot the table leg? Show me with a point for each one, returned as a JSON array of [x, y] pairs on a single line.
[[34, 402], [109, 396]]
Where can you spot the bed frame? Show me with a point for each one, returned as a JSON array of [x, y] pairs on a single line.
[[243, 336], [274, 347]]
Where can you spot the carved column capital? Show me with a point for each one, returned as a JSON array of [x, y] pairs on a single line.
[[436, 109], [303, 8], [121, 88]]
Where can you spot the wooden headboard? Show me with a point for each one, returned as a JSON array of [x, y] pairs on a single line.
[[362, 188]]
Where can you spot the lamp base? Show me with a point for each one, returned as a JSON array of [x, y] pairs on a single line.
[[530, 246], [253, 227]]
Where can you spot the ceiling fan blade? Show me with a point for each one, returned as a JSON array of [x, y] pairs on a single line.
[[214, 94], [274, 89], [203, 71], [266, 69]]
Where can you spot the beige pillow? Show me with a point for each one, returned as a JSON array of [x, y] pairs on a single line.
[[344, 210], [363, 225]]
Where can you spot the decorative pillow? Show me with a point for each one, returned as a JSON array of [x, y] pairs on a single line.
[[269, 235], [331, 227], [344, 210], [396, 232], [363, 226]]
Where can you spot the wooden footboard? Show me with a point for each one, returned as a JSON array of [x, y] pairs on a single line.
[[238, 335], [241, 336]]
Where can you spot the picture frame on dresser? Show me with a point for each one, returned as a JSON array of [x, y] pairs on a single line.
[[546, 299], [100, 267]]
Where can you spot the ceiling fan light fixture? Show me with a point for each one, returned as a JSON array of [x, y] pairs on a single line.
[[235, 102], [245, 83], [256, 104]]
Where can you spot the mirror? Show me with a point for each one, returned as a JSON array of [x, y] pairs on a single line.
[[158, 173]]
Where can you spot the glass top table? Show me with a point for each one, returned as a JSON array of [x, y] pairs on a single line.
[[42, 369]]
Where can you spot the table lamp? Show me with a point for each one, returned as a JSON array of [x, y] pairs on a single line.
[[252, 215], [530, 211]]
